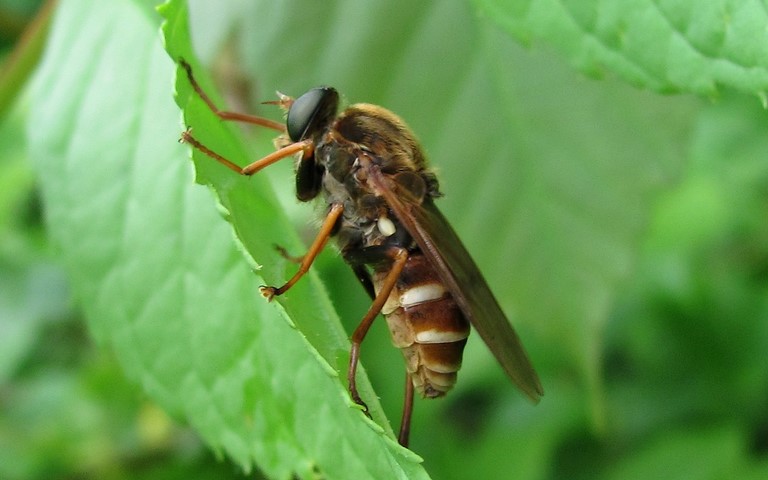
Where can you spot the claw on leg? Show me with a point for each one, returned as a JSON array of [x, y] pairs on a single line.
[[268, 292]]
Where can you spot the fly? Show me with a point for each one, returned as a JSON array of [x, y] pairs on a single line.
[[369, 169]]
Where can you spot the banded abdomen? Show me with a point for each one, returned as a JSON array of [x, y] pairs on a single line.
[[426, 324]]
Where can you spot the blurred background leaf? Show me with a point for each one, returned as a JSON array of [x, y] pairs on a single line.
[[669, 46], [67, 409], [623, 231]]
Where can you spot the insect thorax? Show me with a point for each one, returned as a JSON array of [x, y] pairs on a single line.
[[379, 134]]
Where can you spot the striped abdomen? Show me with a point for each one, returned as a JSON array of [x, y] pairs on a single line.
[[427, 325]]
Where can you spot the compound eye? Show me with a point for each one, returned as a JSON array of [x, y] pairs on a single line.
[[311, 111]]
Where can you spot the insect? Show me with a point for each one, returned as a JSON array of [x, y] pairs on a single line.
[[370, 171]]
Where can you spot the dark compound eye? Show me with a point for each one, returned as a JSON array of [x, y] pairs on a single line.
[[311, 111]]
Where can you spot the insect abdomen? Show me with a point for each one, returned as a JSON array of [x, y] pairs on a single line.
[[427, 325]]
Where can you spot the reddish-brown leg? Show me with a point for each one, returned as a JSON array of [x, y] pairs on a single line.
[[186, 137], [399, 256], [286, 255], [317, 246], [405, 422], [305, 146], [231, 116]]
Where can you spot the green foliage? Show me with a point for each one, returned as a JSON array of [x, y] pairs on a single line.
[[667, 46], [159, 277], [623, 231]]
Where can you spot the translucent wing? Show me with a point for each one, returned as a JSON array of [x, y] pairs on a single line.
[[458, 271]]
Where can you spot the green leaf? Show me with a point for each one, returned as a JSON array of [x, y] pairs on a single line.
[[549, 179], [154, 264], [564, 201], [546, 176], [23, 279], [667, 46]]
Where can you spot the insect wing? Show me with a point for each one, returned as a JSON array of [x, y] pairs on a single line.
[[438, 241]]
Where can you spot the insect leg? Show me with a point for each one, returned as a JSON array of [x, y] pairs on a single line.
[[187, 137], [305, 146], [399, 256], [364, 276], [358, 258], [225, 115], [405, 422], [317, 246], [284, 253]]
